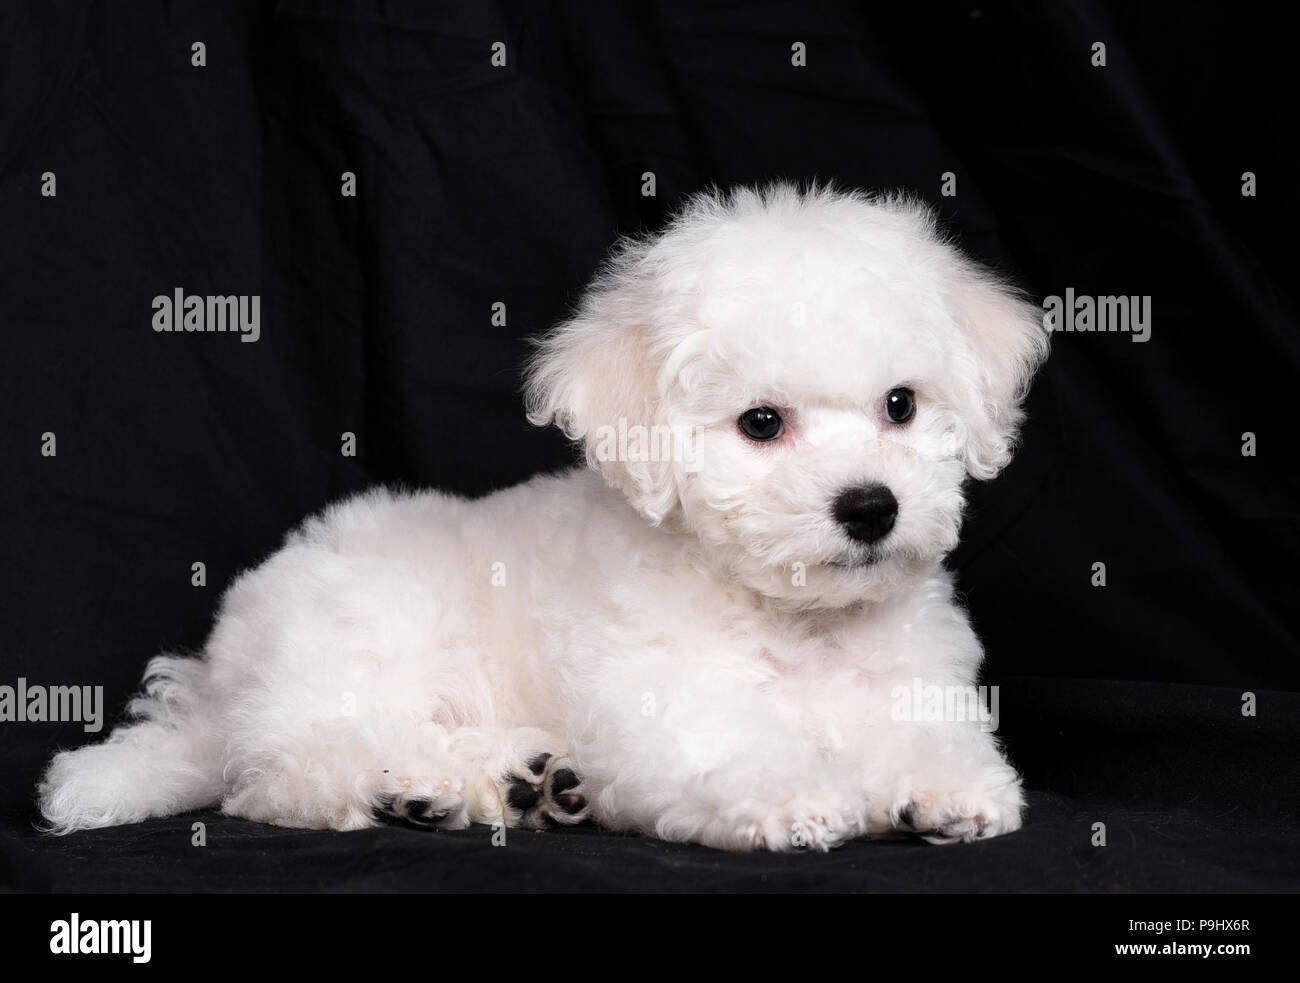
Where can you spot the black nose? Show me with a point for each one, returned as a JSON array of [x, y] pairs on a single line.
[[867, 513]]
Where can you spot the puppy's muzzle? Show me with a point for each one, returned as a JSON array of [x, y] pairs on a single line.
[[866, 513]]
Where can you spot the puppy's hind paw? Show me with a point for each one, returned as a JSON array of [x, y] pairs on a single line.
[[437, 804], [546, 791]]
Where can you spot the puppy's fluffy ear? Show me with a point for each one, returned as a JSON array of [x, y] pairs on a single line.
[[595, 376], [1006, 342]]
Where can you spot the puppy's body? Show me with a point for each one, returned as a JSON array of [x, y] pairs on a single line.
[[694, 648]]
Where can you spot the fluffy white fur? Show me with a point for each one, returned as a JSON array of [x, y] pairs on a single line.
[[703, 645]]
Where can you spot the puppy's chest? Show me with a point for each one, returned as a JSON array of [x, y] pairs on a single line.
[[826, 686]]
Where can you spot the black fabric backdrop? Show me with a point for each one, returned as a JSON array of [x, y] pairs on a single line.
[[479, 184]]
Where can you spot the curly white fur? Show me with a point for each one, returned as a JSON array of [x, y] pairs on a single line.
[[699, 641]]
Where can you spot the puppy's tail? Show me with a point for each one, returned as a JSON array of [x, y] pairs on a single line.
[[167, 760]]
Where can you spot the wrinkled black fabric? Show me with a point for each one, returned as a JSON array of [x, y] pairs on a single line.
[[480, 184]]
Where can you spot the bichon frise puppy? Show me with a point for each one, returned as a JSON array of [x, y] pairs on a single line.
[[703, 635]]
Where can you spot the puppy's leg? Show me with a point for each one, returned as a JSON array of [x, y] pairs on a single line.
[[697, 757], [741, 802], [947, 782], [519, 776], [350, 773]]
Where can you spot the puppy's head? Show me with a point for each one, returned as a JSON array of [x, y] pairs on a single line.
[[803, 379]]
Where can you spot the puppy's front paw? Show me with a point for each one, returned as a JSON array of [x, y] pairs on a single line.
[[804, 822], [946, 814], [806, 826]]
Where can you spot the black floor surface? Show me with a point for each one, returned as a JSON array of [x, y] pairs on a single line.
[[1194, 797]]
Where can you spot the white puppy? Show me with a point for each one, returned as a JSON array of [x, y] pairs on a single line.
[[704, 634]]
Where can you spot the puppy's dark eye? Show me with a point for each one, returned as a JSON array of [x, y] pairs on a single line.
[[761, 423], [900, 405]]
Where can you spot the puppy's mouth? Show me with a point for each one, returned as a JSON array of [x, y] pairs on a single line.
[[856, 561]]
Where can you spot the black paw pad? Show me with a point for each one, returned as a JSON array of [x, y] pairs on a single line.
[[416, 811], [571, 802], [418, 808], [421, 812], [522, 796], [563, 780], [538, 764]]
